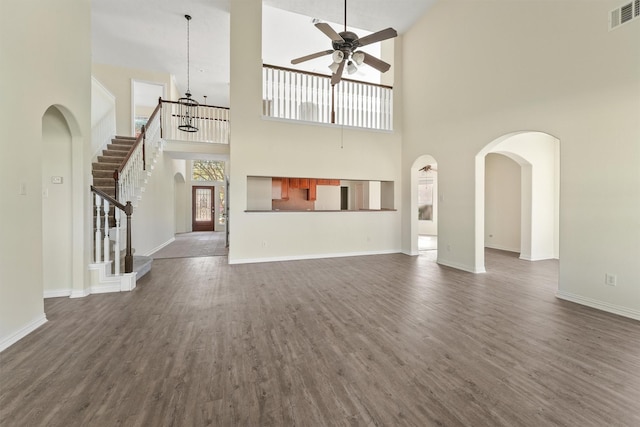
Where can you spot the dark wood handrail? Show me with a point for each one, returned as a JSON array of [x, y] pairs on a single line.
[[309, 73], [109, 198], [201, 105]]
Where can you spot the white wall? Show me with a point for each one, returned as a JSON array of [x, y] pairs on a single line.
[[328, 197], [502, 203], [276, 148], [518, 66], [39, 40], [118, 81], [154, 219], [56, 205]]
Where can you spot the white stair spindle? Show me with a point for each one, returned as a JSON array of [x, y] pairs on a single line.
[[98, 237], [106, 230]]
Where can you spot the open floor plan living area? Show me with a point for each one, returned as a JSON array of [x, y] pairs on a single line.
[[305, 213]]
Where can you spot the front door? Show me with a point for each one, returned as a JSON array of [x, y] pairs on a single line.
[[203, 209]]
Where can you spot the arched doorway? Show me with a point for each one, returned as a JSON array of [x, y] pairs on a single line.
[[424, 204], [538, 156], [57, 202]]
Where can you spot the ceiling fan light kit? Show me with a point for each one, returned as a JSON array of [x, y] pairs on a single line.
[[344, 52]]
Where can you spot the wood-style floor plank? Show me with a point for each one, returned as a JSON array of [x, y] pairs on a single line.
[[384, 340]]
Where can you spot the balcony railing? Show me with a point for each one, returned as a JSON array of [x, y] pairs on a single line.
[[299, 95], [212, 123]]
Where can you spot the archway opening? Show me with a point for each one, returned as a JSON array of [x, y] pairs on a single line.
[[57, 205], [534, 158], [424, 206]]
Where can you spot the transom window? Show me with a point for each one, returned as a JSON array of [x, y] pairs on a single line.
[[207, 170]]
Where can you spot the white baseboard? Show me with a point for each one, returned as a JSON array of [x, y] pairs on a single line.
[[80, 293], [600, 305], [501, 248], [533, 259], [157, 248], [57, 293], [313, 256], [459, 266], [22, 332]]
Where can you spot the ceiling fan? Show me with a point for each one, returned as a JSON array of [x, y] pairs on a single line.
[[345, 53], [427, 168]]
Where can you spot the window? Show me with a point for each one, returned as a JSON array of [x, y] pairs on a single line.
[[207, 170]]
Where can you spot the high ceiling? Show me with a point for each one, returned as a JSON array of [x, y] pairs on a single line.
[[152, 34]]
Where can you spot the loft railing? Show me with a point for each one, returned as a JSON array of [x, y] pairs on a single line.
[[300, 95], [212, 123]]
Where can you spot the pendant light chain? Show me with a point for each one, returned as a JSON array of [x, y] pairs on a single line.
[[188, 50], [188, 107]]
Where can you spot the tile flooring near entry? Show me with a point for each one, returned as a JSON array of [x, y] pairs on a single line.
[[427, 242], [196, 244]]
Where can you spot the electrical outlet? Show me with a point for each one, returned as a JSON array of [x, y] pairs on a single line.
[[610, 279]]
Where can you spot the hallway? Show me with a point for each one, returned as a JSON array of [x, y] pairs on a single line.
[[195, 244]]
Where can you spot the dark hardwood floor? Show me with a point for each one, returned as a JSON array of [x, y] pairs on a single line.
[[384, 340]]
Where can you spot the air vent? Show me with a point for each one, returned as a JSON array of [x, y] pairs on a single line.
[[623, 14]]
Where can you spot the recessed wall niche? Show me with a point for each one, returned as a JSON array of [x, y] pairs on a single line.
[[295, 194]]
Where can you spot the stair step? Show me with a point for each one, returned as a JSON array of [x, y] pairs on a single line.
[[103, 182], [102, 173], [111, 159], [125, 138], [105, 166], [141, 265], [119, 147], [114, 153]]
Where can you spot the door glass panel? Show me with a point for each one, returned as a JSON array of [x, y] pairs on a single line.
[[203, 204]]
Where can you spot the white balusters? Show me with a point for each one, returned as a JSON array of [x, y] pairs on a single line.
[[105, 205], [98, 234], [289, 94]]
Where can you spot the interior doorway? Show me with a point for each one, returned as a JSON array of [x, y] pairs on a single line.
[[144, 100], [537, 155], [57, 202], [203, 208], [424, 206]]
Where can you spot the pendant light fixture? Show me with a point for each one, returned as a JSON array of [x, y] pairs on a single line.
[[188, 107]]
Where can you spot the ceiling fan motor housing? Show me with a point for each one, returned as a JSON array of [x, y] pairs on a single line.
[[349, 44]]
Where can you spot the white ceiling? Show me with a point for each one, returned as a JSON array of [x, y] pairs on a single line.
[[152, 34]]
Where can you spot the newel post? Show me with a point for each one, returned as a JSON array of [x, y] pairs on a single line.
[[128, 258], [144, 146], [116, 178]]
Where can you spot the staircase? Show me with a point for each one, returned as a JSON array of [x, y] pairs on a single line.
[[103, 171], [109, 161]]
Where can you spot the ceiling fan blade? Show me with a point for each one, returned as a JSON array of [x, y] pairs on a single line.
[[330, 32], [376, 63], [337, 76], [387, 33], [312, 56]]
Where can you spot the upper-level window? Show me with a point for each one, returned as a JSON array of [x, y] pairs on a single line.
[[207, 170]]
